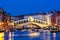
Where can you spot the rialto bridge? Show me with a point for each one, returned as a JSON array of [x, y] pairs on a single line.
[[30, 22]]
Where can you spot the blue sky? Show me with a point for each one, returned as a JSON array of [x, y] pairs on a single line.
[[19, 7]]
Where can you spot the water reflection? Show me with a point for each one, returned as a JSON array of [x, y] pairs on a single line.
[[54, 36], [11, 36], [2, 36], [35, 34], [28, 35], [46, 35]]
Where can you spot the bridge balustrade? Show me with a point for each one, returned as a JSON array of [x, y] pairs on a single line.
[[40, 21], [21, 21], [27, 20]]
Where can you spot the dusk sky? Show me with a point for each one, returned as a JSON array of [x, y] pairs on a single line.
[[19, 7]]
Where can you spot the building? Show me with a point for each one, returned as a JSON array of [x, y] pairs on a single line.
[[40, 16], [55, 17], [58, 17], [1, 14], [16, 18], [4, 19]]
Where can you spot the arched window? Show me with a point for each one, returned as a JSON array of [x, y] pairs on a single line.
[[38, 21], [41, 22], [34, 20], [19, 22], [14, 23], [26, 20], [46, 23]]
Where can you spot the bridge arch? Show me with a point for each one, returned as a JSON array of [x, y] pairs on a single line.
[[36, 22], [32, 25], [26, 21]]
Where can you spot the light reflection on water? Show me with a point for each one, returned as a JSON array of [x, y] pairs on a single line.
[[2, 36], [28, 35], [54, 36]]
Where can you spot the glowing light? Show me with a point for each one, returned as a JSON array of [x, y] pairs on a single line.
[[31, 18], [23, 30], [2, 34], [34, 34], [12, 23], [54, 34], [1, 38], [55, 24], [0, 23]]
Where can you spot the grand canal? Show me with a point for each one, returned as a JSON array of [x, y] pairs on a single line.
[[30, 35]]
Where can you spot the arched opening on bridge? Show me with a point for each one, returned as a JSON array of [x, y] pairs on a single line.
[[20, 22], [31, 26], [25, 21], [36, 26], [40, 21]]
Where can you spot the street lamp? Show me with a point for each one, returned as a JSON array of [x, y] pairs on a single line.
[[0, 23]]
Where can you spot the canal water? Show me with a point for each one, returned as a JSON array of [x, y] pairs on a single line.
[[30, 35]]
